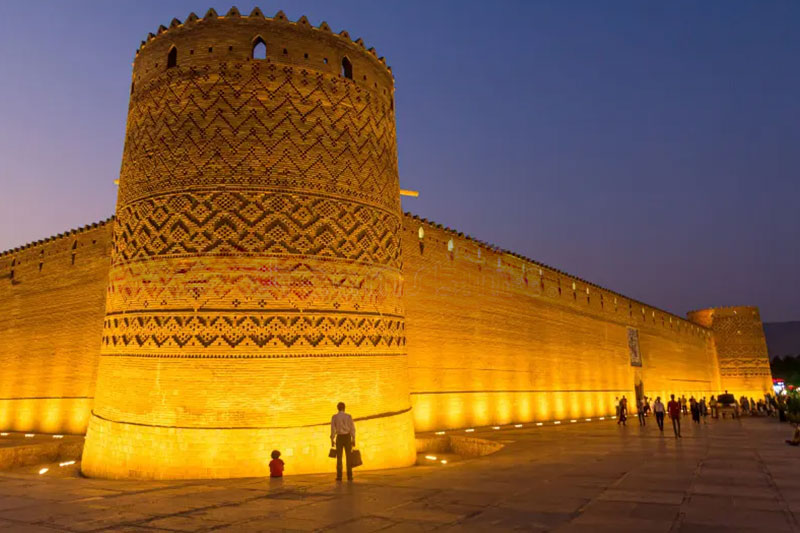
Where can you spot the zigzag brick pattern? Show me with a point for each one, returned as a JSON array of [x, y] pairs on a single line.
[[741, 348]]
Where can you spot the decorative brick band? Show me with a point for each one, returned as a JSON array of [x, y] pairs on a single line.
[[250, 356]]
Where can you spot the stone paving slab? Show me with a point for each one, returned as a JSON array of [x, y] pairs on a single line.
[[724, 476]]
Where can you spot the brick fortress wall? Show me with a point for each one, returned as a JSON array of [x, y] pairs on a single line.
[[495, 338], [516, 355], [51, 315], [255, 275]]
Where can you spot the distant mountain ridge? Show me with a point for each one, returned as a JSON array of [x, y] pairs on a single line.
[[783, 338]]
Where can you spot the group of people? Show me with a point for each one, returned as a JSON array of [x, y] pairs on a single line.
[[699, 409], [674, 408], [765, 407], [343, 429]]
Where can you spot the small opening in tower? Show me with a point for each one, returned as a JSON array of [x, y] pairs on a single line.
[[325, 60], [305, 56], [230, 49], [285, 51], [210, 49], [347, 68], [172, 57], [259, 48]]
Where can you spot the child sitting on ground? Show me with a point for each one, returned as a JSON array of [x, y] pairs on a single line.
[[276, 465]]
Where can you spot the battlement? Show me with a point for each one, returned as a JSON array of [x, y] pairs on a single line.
[[74, 231], [234, 38], [568, 282], [727, 310]]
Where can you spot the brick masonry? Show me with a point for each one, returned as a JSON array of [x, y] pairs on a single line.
[[259, 269], [52, 296]]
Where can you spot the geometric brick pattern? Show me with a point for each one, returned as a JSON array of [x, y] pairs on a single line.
[[256, 222], [260, 125], [291, 173], [741, 346], [231, 334], [255, 283]]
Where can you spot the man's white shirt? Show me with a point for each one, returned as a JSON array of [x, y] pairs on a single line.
[[342, 424]]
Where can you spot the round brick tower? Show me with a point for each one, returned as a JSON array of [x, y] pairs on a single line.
[[255, 278], [741, 348]]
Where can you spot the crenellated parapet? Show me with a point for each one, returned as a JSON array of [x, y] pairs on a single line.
[[56, 238], [539, 278], [233, 38]]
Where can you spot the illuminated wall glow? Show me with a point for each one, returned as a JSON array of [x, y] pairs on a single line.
[[484, 341], [50, 330], [244, 299]]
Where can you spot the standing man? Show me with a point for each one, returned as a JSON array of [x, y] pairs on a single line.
[[343, 436], [658, 409], [674, 410]]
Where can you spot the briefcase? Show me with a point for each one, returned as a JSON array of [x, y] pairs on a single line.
[[332, 453], [355, 458]]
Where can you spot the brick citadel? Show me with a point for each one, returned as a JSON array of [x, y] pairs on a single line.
[[259, 269]]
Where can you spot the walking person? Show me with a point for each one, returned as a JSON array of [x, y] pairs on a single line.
[[683, 403], [343, 436], [658, 409], [695, 410], [704, 410], [674, 410], [641, 410], [623, 411]]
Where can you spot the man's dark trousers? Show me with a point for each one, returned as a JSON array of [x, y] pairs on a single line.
[[660, 420], [676, 425], [344, 443]]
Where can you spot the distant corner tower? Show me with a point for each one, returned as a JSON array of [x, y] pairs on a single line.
[[256, 268], [741, 348]]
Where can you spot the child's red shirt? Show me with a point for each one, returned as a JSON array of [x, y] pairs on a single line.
[[276, 468]]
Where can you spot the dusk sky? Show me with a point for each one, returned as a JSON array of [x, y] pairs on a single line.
[[650, 148]]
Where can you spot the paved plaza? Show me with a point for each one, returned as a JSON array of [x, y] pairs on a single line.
[[585, 476]]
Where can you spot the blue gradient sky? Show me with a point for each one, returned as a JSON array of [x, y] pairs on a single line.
[[652, 148]]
